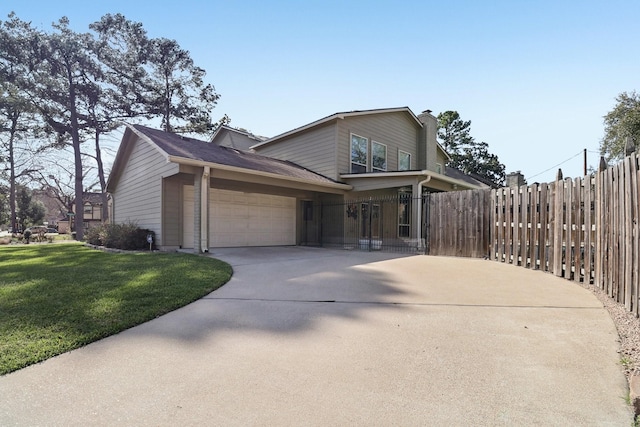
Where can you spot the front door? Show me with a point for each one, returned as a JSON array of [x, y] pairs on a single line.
[[370, 221], [310, 223]]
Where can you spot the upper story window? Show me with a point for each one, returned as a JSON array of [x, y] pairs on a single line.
[[438, 168], [359, 154], [404, 161], [378, 156]]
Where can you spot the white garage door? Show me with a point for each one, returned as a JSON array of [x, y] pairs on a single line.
[[250, 219]]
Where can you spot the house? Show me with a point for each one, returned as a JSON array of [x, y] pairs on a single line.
[[195, 194], [92, 213]]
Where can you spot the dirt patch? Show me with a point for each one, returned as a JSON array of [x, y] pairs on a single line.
[[628, 326]]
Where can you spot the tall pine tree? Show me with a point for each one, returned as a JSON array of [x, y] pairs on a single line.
[[466, 154]]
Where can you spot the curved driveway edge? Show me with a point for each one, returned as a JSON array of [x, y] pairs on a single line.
[[307, 336]]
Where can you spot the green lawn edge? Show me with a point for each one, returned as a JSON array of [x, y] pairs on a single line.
[[58, 297]]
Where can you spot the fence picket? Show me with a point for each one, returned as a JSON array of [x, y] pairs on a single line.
[[559, 229], [587, 253], [524, 226], [498, 235], [543, 226], [578, 240], [627, 219], [635, 256], [551, 227], [567, 244]]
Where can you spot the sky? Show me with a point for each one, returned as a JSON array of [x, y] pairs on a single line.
[[535, 78]]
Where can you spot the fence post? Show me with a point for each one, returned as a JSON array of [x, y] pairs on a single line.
[[369, 209], [426, 232], [558, 235]]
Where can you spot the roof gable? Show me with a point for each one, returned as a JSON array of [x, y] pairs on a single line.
[[224, 129], [337, 116], [124, 152]]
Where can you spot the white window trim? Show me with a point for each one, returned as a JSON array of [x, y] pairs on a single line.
[[439, 168], [407, 153], [386, 157], [351, 162]]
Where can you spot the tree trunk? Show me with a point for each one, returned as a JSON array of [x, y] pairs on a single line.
[[12, 175], [75, 138], [167, 105], [103, 181]]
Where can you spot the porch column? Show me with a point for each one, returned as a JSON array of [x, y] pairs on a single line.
[[197, 211], [415, 213], [204, 210]]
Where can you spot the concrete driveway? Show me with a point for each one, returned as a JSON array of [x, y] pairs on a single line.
[[305, 336]]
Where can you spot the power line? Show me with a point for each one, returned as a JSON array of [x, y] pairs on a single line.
[[559, 164]]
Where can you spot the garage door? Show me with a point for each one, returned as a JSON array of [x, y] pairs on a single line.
[[250, 219]]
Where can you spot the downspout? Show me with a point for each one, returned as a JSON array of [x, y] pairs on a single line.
[[204, 211], [419, 231], [112, 211]]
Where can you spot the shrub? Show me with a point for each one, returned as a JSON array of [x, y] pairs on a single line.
[[127, 236], [92, 236]]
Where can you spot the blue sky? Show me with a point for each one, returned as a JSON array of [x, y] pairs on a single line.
[[534, 78]]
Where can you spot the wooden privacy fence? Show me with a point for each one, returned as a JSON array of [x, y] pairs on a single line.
[[617, 257], [458, 223], [549, 227], [583, 229]]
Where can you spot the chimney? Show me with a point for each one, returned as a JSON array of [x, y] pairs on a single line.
[[515, 180], [427, 141]]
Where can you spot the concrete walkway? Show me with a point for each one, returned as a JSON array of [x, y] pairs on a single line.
[[304, 336]]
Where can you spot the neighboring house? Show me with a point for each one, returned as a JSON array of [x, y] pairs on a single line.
[[200, 195], [92, 213], [240, 139]]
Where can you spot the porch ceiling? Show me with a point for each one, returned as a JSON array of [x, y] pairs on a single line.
[[382, 180]]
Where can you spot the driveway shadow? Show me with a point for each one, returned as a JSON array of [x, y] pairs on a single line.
[[285, 290]]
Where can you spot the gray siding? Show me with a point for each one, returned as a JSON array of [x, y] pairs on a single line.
[[314, 150], [397, 131], [442, 160], [172, 211], [138, 195]]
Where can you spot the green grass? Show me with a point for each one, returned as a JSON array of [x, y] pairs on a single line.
[[54, 298]]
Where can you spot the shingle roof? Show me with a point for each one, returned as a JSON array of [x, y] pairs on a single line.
[[257, 138], [471, 179], [193, 149], [93, 198]]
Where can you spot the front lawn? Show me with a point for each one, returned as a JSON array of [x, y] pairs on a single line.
[[54, 298]]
